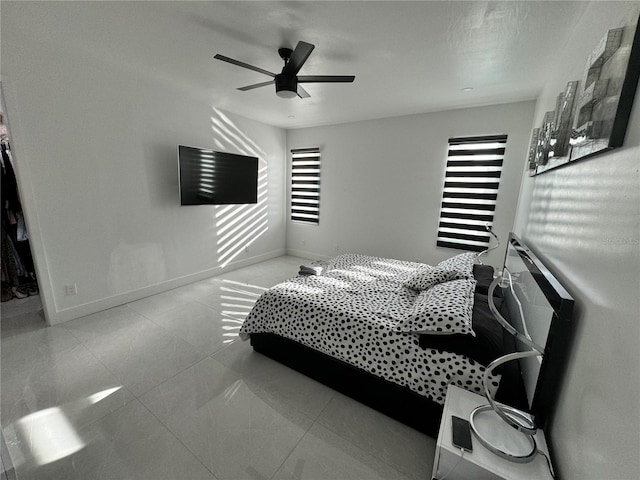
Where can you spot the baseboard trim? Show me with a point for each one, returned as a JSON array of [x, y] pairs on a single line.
[[304, 254], [71, 313]]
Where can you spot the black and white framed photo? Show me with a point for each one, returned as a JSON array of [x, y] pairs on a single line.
[[610, 82], [597, 107]]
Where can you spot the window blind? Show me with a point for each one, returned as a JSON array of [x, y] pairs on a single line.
[[472, 178], [305, 185]]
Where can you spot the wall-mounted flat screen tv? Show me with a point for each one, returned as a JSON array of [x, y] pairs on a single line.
[[207, 177]]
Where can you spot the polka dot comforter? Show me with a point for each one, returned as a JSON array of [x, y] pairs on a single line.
[[351, 311]]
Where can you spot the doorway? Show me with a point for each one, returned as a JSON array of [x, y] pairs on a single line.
[[20, 291]]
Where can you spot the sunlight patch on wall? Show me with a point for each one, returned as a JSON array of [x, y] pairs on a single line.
[[238, 226], [589, 212]]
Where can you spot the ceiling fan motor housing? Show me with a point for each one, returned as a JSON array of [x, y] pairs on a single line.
[[285, 53], [286, 86]]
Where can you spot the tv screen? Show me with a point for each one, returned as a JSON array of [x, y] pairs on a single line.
[[216, 178]]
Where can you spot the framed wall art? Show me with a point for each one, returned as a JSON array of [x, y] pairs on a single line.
[[592, 114]]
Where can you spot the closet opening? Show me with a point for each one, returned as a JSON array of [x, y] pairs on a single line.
[[20, 292]]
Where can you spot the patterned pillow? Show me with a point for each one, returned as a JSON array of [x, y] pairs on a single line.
[[445, 309], [425, 278], [462, 263]]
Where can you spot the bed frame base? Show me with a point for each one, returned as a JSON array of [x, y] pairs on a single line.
[[393, 400]]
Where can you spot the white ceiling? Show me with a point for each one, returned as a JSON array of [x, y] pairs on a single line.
[[408, 57]]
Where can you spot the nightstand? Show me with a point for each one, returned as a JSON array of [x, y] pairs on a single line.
[[481, 464]]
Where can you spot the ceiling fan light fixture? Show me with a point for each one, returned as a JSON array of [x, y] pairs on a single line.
[[286, 94], [286, 87]]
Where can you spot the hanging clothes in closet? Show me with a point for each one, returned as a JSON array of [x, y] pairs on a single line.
[[18, 271]]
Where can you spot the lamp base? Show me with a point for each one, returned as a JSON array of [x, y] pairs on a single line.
[[499, 437]]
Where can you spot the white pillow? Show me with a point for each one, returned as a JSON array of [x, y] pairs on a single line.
[[425, 278], [445, 309], [462, 263]]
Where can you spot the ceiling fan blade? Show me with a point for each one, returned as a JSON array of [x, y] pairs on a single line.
[[242, 64], [325, 78], [297, 59], [302, 93], [256, 85]]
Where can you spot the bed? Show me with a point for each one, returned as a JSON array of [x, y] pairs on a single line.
[[391, 334]]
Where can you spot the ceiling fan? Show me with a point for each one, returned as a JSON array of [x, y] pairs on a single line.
[[287, 82]]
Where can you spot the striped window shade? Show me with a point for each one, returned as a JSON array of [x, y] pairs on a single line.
[[305, 185], [472, 178]]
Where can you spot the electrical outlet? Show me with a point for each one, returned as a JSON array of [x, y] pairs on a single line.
[[71, 289], [337, 247], [303, 243], [246, 249]]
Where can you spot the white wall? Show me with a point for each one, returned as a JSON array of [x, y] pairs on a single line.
[[584, 221], [382, 180], [95, 146]]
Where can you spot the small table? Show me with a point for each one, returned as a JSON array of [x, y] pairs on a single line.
[[480, 464]]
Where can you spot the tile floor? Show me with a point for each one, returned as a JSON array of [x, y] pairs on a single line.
[[162, 388]]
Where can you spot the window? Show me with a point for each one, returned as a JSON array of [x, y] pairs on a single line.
[[472, 177], [305, 185]]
